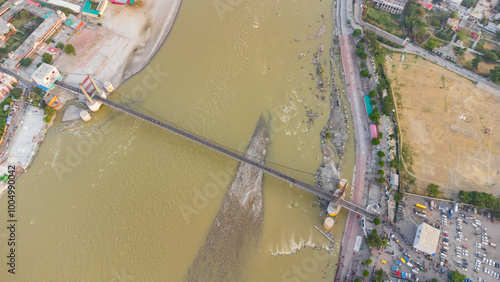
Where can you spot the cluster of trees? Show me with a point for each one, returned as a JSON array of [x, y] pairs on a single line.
[[49, 113], [360, 50], [16, 93], [26, 62], [374, 241], [22, 15], [468, 3], [69, 49], [433, 190], [495, 75], [456, 276], [47, 58], [384, 83], [356, 32], [481, 200], [432, 43], [380, 275], [412, 21]]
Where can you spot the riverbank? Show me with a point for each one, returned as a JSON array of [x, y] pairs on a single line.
[[122, 45]]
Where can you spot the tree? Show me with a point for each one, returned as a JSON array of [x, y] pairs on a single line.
[[358, 280], [433, 190], [375, 141], [490, 56], [468, 3], [475, 62], [381, 172], [373, 94], [369, 261], [463, 35], [69, 49], [60, 45], [47, 58], [380, 154], [356, 32], [366, 273], [380, 275], [432, 43], [375, 116], [373, 240], [433, 280], [495, 75], [361, 54], [376, 221], [24, 14], [364, 73], [26, 62], [398, 198], [456, 276], [381, 163], [454, 15], [16, 93]]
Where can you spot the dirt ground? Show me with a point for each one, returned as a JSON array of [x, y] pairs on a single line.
[[452, 128], [482, 68]]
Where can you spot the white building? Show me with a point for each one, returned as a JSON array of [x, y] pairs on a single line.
[[391, 6], [426, 239], [45, 76]]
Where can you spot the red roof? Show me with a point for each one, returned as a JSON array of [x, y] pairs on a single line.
[[374, 131], [52, 50]]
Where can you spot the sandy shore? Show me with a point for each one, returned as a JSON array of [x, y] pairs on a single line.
[[148, 25], [125, 42]]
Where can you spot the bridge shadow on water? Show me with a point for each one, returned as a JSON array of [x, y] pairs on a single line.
[[237, 227]]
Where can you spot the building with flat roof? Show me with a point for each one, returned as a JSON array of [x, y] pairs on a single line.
[[391, 6], [45, 76], [41, 33], [426, 239], [94, 8], [6, 82]]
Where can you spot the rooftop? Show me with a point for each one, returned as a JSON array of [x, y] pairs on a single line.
[[426, 239]]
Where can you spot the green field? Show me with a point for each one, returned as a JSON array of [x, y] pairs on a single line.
[[382, 19]]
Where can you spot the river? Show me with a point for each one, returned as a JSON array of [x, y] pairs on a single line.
[[117, 199]]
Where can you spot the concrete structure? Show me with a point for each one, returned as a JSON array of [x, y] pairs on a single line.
[[5, 29], [492, 27], [85, 116], [391, 6], [74, 22], [52, 22], [328, 223], [425, 5], [446, 52], [465, 24], [426, 239], [6, 82], [98, 11], [45, 76], [65, 4]]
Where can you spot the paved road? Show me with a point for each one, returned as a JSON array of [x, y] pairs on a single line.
[[419, 51], [350, 259]]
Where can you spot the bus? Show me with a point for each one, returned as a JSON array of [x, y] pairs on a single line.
[[421, 206]]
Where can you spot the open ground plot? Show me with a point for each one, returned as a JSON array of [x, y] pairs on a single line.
[[382, 19], [450, 128], [483, 68]]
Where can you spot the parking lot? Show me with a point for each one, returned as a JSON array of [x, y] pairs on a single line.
[[465, 243]]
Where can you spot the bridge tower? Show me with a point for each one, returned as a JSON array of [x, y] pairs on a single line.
[[90, 89], [333, 207]]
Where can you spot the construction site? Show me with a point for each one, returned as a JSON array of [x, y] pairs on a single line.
[[450, 128]]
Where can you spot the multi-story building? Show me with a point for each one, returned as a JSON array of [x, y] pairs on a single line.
[[391, 6], [6, 84], [45, 76], [30, 45]]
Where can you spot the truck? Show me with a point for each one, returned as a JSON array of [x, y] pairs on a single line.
[[432, 205], [421, 206], [420, 214], [443, 208], [455, 207], [470, 217], [493, 245], [450, 214]]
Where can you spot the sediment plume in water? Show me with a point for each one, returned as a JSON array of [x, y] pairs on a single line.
[[238, 224]]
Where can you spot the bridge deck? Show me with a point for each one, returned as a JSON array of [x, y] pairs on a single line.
[[312, 189]]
